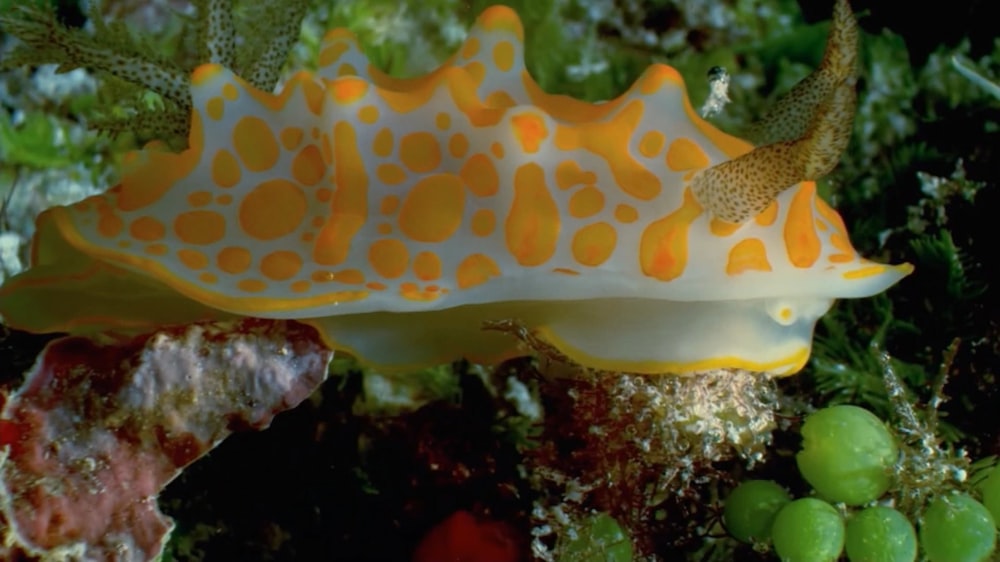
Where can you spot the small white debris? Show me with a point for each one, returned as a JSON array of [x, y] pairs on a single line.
[[525, 404], [718, 93]]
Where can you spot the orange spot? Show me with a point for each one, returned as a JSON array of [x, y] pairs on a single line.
[[368, 114], [530, 130], [458, 145], [390, 174], [501, 18], [427, 266], [252, 285], [801, 241], [291, 137], [586, 202], [208, 278], [442, 121], [433, 208], [723, 228], [410, 291], [301, 286], [199, 198], [610, 140], [156, 249], [503, 55], [323, 194], [497, 149], [768, 215], [594, 243], [749, 254], [349, 207], [225, 169], [626, 214], [420, 152], [215, 107], [470, 48], [499, 98], [313, 94], [255, 143], [110, 225], [484, 222], [233, 259], [375, 286], [651, 144], [843, 246], [568, 174], [200, 227], [230, 92], [274, 208], [532, 225], [147, 229], [480, 175], [347, 69], [382, 144], [308, 167], [348, 89], [476, 270], [684, 154], [868, 271], [349, 276], [663, 249], [389, 257], [193, 259], [280, 265]]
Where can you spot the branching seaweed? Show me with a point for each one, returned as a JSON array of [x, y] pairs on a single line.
[[148, 92]]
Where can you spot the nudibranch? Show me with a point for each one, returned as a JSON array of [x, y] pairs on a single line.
[[398, 216]]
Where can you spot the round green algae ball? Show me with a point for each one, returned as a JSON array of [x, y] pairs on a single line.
[[808, 530], [881, 534], [990, 487], [751, 507], [847, 454], [957, 528], [599, 538]]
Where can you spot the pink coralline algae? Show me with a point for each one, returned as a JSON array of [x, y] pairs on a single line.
[[98, 429]]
